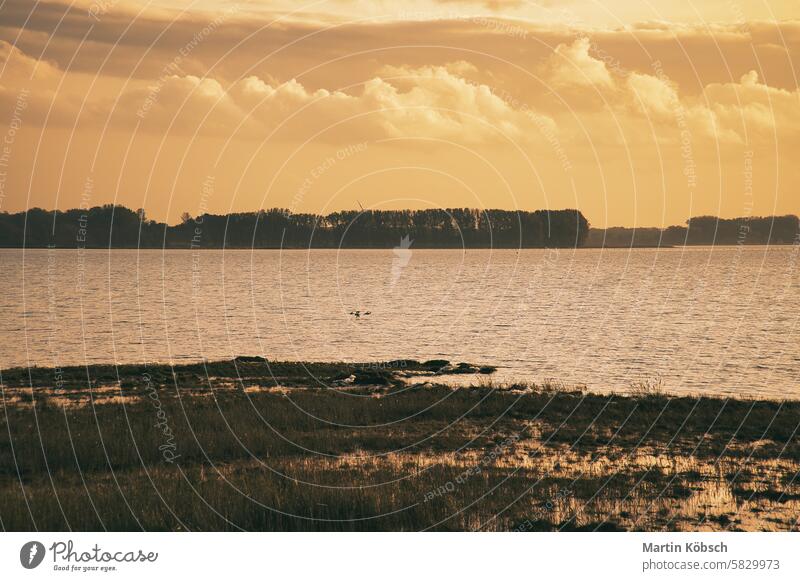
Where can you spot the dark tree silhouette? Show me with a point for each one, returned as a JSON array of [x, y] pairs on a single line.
[[704, 230], [118, 227]]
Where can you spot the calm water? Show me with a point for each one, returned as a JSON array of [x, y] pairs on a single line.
[[721, 320]]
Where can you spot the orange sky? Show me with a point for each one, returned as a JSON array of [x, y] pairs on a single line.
[[636, 113]]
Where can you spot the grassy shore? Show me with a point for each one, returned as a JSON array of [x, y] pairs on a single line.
[[248, 444]]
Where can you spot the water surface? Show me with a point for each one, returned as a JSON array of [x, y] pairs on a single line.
[[720, 320]]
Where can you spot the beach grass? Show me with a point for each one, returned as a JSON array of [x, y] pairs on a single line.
[[255, 445]]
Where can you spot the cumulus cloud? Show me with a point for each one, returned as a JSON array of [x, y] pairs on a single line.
[[571, 66], [406, 101], [653, 95], [736, 112], [17, 67], [445, 101], [402, 101], [754, 109], [733, 112]]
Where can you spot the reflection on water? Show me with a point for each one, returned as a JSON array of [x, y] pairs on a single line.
[[720, 320]]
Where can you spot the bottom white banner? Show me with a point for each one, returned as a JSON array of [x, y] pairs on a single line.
[[356, 556]]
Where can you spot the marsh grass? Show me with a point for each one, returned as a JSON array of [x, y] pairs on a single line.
[[391, 456], [648, 387]]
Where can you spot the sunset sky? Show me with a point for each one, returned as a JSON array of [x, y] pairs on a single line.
[[637, 113]]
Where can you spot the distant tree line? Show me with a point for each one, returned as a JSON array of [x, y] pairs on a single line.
[[112, 226], [703, 230]]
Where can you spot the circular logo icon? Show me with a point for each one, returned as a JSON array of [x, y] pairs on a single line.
[[31, 554]]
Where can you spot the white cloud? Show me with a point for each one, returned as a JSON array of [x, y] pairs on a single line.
[[754, 109], [17, 67], [571, 66], [653, 95], [424, 102]]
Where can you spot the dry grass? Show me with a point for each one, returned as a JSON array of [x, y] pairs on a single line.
[[387, 457]]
